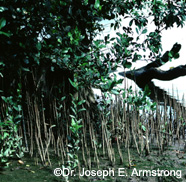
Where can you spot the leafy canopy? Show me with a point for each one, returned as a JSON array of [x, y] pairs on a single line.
[[60, 35]]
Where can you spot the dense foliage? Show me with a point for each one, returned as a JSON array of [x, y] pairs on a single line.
[[58, 38]]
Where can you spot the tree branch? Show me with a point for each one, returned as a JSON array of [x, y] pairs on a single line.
[[170, 74], [143, 76]]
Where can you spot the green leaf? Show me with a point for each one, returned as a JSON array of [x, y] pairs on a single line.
[[143, 127], [6, 34], [18, 118], [25, 69], [170, 54], [176, 56], [128, 65], [137, 30], [72, 116], [4, 98], [74, 111], [120, 81], [114, 91], [64, 51], [70, 155], [81, 102], [130, 23], [38, 46], [83, 109], [74, 84], [97, 4], [144, 31], [3, 9], [5, 135], [62, 98], [2, 23], [73, 122]]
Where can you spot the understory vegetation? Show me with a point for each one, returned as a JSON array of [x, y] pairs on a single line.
[[129, 131], [51, 59]]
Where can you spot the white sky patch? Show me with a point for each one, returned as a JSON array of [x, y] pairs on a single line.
[[169, 38]]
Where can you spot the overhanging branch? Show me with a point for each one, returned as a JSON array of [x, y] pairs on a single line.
[[170, 74]]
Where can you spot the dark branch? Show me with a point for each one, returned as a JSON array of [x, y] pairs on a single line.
[[170, 74], [143, 76]]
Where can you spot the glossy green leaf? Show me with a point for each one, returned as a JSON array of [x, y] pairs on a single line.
[[4, 33], [39, 46], [97, 4], [144, 31], [143, 127], [128, 65], [2, 23]]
